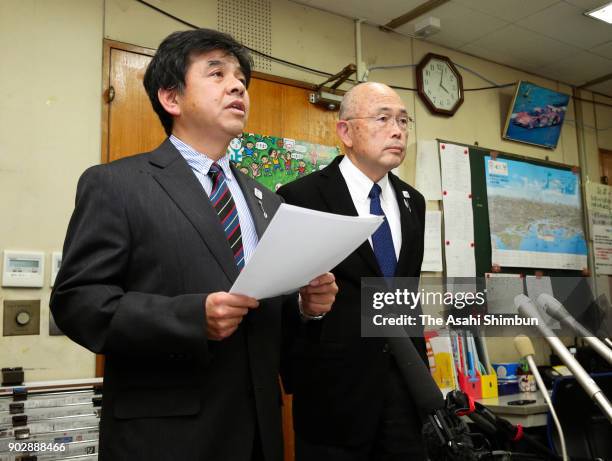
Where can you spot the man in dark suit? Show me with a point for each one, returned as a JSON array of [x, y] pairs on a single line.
[[362, 409], [154, 245]]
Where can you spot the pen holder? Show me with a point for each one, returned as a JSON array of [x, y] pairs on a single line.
[[489, 384]]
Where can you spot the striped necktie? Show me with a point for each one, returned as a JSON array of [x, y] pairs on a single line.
[[223, 203], [382, 240]]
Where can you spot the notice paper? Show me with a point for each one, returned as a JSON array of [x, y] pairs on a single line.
[[458, 213], [455, 163], [428, 170], [299, 245], [432, 256], [599, 206], [501, 291]]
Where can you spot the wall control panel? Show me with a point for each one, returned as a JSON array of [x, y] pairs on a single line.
[[23, 269], [56, 262]]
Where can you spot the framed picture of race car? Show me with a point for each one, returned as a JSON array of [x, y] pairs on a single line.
[[536, 115]]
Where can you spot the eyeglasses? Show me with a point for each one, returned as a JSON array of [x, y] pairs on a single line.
[[404, 122]]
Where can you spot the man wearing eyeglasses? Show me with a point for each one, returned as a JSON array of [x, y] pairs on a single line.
[[362, 409]]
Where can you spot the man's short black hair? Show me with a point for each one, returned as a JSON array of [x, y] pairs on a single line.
[[169, 66]]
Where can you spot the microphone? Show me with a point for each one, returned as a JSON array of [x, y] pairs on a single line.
[[424, 390], [557, 311], [527, 309], [525, 349]]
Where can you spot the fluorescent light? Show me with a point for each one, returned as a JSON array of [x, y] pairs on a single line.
[[603, 13]]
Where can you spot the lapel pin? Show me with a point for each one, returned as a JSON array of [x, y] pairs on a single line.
[[406, 197], [265, 215], [259, 196]]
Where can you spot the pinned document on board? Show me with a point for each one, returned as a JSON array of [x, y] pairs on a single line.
[[432, 256], [299, 245], [428, 170], [458, 214]]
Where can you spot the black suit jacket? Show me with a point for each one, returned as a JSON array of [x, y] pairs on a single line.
[[337, 377], [144, 248]]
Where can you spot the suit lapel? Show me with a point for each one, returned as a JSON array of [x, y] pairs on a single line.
[[408, 216], [178, 180], [338, 199], [254, 196]]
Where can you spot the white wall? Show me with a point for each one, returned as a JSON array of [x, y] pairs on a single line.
[[50, 105], [49, 133]]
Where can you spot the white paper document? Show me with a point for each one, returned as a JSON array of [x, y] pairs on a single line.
[[456, 176], [428, 170], [432, 257], [299, 245], [501, 291], [458, 219], [460, 258], [599, 206]]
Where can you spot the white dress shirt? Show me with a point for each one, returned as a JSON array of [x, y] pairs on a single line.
[[359, 186]]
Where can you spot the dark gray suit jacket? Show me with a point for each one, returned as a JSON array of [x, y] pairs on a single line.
[[144, 248]]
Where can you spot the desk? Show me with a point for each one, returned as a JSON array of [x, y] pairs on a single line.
[[531, 415]]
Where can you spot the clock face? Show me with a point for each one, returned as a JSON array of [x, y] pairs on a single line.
[[440, 85]]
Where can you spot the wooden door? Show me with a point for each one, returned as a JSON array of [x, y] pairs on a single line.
[[129, 123], [279, 107], [605, 164]]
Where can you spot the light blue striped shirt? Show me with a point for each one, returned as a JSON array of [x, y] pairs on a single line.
[[200, 164]]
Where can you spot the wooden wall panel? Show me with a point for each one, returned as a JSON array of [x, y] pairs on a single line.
[[283, 110]]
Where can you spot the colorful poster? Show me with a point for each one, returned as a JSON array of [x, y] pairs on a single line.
[[276, 161], [536, 115], [535, 215]]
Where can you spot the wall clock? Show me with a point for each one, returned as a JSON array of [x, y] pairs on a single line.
[[439, 84]]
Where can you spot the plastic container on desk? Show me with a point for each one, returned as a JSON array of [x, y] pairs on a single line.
[[506, 387], [489, 385], [506, 371], [471, 385]]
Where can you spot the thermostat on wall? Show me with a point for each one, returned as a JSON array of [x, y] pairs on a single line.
[[56, 262], [23, 269]]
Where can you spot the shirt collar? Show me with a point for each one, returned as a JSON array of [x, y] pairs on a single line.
[[198, 161], [359, 182]]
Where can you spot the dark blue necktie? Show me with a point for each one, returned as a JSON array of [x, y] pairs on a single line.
[[382, 240]]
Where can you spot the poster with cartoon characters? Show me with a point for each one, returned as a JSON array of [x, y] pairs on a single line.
[[276, 161]]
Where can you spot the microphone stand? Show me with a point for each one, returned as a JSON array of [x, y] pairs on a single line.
[[527, 309], [534, 369], [556, 310]]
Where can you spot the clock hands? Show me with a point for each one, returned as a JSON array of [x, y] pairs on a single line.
[[441, 77]]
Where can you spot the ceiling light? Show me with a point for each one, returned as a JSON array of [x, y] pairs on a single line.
[[603, 13]]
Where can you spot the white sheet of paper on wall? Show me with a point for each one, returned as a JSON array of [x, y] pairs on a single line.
[[427, 180], [432, 256], [501, 291]]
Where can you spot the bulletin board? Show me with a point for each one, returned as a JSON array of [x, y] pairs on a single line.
[[573, 287], [536, 235]]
